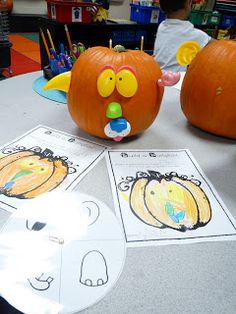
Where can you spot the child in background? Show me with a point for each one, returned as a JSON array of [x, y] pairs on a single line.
[[173, 32]]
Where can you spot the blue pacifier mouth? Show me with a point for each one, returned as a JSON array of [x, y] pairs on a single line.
[[118, 125], [117, 129]]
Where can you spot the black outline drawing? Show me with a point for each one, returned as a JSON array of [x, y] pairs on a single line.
[[37, 226], [86, 278], [49, 280], [93, 211], [180, 181]]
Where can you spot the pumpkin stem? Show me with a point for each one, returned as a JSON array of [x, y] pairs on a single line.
[[119, 48]]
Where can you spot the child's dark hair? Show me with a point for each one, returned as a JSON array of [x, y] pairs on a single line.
[[169, 6]]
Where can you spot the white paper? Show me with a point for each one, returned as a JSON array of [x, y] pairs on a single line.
[[153, 210], [55, 161], [60, 253]]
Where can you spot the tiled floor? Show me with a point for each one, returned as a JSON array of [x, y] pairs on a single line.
[[25, 55]]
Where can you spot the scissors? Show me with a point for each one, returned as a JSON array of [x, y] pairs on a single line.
[[77, 49]]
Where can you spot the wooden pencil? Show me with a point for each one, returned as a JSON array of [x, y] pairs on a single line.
[[50, 39], [68, 37], [44, 42]]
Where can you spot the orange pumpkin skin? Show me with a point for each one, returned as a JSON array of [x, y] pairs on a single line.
[[88, 108], [208, 94], [6, 5]]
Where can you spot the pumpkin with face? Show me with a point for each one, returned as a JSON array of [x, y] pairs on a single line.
[[112, 93]]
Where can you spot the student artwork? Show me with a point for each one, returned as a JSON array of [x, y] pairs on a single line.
[[211, 104], [108, 87], [163, 197], [43, 160], [168, 201], [27, 174], [60, 253]]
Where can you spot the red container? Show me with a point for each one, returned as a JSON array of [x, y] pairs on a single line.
[[71, 11]]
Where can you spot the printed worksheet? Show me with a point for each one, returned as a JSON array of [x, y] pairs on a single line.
[[42, 160], [163, 197]]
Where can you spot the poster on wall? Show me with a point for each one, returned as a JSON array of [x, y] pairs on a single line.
[[163, 197], [76, 14], [42, 160]]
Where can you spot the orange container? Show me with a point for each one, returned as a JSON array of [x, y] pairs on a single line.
[[71, 11]]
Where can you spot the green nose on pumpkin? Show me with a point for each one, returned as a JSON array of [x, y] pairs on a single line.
[[114, 110]]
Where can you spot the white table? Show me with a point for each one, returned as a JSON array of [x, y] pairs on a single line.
[[192, 278]]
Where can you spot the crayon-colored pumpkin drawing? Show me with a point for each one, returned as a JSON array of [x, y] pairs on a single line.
[[168, 201], [27, 174]]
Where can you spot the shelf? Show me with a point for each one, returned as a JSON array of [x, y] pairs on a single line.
[[98, 34]]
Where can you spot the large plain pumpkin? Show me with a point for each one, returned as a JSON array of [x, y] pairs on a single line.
[[208, 94]]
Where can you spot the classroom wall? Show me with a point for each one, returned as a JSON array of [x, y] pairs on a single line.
[[119, 9], [29, 7]]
